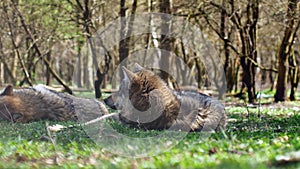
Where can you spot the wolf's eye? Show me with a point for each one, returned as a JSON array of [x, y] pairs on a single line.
[[145, 82], [147, 89], [144, 90]]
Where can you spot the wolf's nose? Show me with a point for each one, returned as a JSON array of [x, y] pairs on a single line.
[[110, 103]]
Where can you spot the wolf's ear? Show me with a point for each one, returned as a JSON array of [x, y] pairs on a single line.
[[8, 91], [137, 67], [128, 74]]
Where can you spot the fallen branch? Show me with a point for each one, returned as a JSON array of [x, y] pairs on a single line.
[[100, 118], [59, 127]]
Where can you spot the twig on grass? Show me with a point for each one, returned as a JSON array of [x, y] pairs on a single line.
[[58, 127]]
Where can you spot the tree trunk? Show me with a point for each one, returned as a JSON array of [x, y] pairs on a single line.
[[123, 44], [294, 68], [165, 41], [229, 69], [125, 35], [4, 66], [284, 51], [97, 83], [249, 51], [294, 75], [48, 74]]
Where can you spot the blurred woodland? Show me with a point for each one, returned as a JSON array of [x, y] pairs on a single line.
[[256, 40]]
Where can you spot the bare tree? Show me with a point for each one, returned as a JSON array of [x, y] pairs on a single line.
[[47, 63], [165, 40], [285, 50], [245, 21], [125, 32], [294, 72]]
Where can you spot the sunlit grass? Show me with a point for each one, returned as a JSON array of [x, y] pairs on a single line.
[[255, 138]]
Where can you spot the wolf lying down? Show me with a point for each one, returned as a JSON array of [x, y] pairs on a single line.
[[145, 101], [38, 103]]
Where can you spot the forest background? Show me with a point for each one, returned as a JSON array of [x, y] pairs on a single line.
[[257, 42]]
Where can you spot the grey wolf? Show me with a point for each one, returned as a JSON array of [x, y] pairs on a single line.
[[145, 101]]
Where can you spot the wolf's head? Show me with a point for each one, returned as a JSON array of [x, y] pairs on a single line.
[[116, 100], [11, 107]]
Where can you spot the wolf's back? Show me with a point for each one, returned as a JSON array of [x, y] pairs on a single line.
[[81, 109], [201, 112]]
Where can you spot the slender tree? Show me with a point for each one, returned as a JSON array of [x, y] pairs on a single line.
[[245, 21], [125, 32], [294, 73], [165, 40], [285, 50]]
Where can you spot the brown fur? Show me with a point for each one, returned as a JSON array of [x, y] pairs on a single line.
[[37, 103], [154, 106], [151, 104]]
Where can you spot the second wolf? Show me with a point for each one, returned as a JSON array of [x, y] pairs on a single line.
[[38, 103], [147, 102]]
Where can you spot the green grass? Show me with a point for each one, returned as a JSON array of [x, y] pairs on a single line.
[[252, 140]]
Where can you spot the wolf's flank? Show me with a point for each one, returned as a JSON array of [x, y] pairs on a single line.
[[38, 103]]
